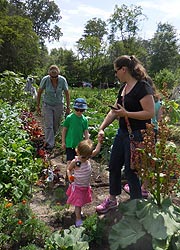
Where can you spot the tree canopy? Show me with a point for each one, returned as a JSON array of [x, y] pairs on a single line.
[[25, 25]]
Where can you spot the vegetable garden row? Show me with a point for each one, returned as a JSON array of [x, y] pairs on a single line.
[[22, 161]]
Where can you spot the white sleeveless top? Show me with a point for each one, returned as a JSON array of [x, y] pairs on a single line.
[[82, 174]]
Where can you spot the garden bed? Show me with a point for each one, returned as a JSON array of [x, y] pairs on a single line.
[[49, 199]]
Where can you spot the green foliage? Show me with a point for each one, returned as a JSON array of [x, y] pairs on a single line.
[[19, 44], [24, 50], [44, 16], [19, 170], [19, 226], [12, 87], [95, 27], [31, 247], [90, 49], [94, 228], [13, 92], [72, 238], [164, 48], [141, 218], [125, 21], [18, 167], [165, 76], [174, 133]]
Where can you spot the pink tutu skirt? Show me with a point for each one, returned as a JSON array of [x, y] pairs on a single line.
[[78, 196]]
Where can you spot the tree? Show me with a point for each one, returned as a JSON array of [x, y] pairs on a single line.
[[96, 28], [19, 48], [125, 24], [164, 48], [3, 4], [16, 7], [90, 51], [44, 14]]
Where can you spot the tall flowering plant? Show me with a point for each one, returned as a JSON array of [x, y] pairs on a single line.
[[159, 167]]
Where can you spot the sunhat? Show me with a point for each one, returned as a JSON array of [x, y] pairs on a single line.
[[80, 103]]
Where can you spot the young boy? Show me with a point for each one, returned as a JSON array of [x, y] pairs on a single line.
[[75, 129]]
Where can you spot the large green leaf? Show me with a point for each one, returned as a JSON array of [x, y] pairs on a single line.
[[129, 208], [71, 238], [158, 223], [160, 244], [81, 246], [126, 232]]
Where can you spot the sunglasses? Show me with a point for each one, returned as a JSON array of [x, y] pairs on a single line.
[[115, 71], [80, 110]]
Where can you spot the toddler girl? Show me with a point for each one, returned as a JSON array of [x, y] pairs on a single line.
[[79, 173]]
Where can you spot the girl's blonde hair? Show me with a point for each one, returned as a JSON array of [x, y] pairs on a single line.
[[85, 148]]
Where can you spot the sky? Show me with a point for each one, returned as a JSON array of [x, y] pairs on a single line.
[[76, 13]]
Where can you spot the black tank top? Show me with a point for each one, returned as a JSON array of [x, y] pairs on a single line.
[[132, 104]]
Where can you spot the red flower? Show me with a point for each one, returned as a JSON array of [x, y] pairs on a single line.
[[20, 222]]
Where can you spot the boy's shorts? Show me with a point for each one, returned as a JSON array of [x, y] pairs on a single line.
[[70, 154]]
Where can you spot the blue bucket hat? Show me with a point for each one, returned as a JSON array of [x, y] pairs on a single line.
[[80, 103]]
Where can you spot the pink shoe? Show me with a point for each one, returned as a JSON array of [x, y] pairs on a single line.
[[126, 188], [106, 206], [145, 194]]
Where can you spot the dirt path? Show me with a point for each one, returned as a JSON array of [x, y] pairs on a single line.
[[44, 197]]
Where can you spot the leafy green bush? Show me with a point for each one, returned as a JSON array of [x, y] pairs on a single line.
[[94, 228], [165, 76], [19, 226], [72, 238], [142, 218], [12, 87], [19, 169]]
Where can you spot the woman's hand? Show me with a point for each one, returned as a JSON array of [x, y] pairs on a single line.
[[121, 112]]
